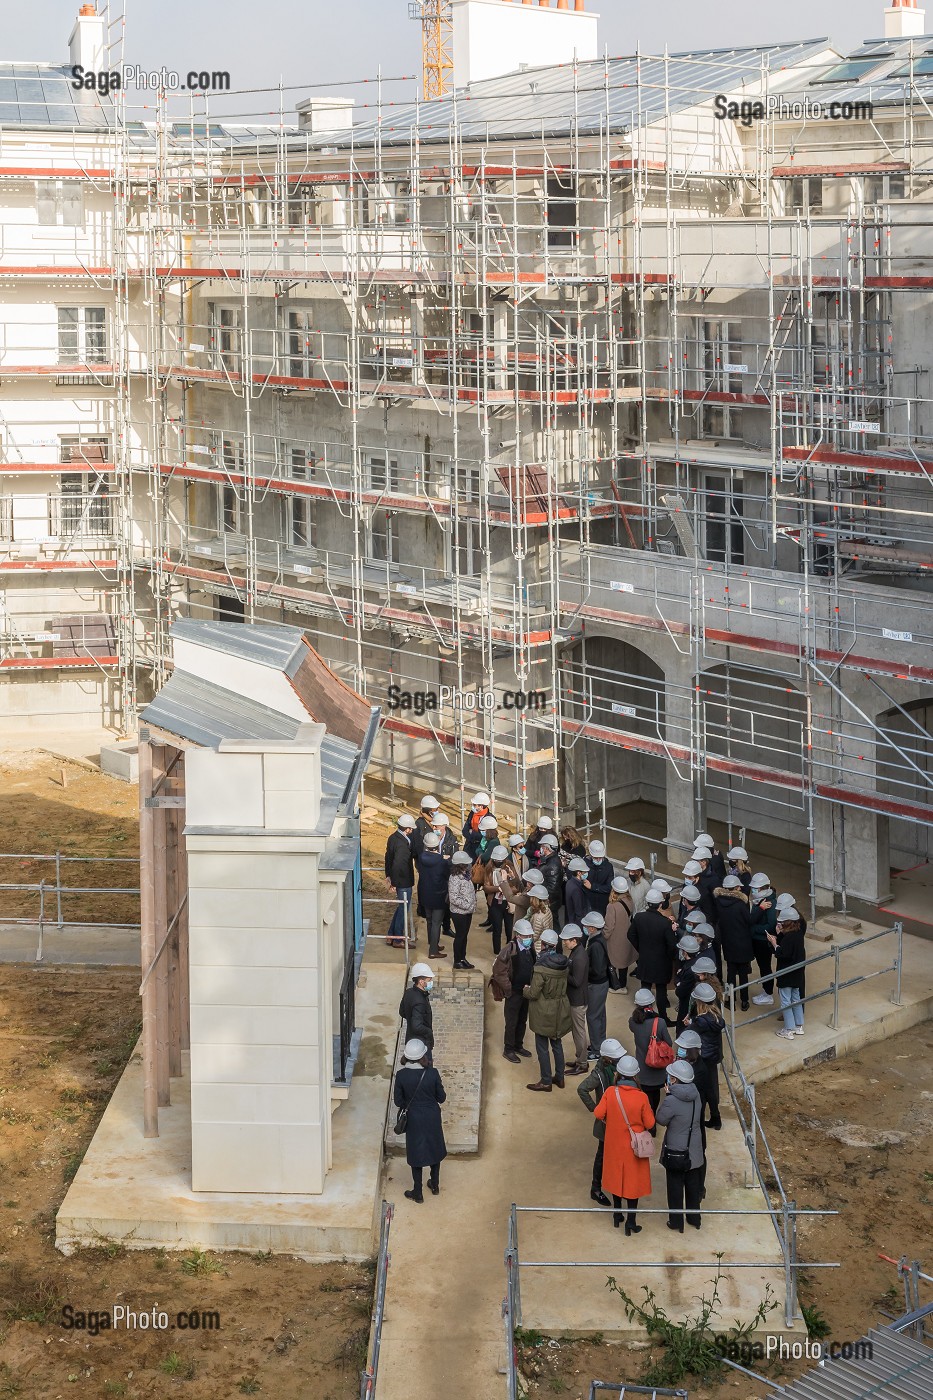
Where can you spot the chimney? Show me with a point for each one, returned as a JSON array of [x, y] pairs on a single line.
[[320, 114], [86, 44], [903, 20], [492, 37]]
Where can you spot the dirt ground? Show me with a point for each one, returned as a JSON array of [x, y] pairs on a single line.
[[49, 804]]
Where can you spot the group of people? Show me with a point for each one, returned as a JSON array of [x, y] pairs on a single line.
[[567, 930]]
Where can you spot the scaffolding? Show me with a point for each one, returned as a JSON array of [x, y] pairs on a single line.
[[616, 409]]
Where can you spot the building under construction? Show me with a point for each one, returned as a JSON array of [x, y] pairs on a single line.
[[602, 378]]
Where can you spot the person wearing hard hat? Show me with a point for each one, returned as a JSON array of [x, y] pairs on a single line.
[[544, 826], [625, 1110], [461, 902], [578, 972], [681, 1114], [734, 921], [511, 974], [425, 823], [575, 905], [688, 948], [764, 923], [600, 975], [497, 887], [704, 970], [415, 1006], [716, 862], [549, 1014], [449, 844], [433, 875], [487, 843], [418, 1094], [601, 1078], [619, 912], [788, 943], [518, 858], [687, 1046], [638, 883], [552, 870], [707, 1020], [653, 938], [707, 882], [571, 844], [479, 808], [599, 880], [737, 859], [649, 1031], [400, 878]]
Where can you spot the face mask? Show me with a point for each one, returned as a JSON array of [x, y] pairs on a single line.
[[429, 986], [597, 860], [524, 943], [681, 1053]]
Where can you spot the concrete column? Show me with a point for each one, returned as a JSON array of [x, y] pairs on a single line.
[[679, 696]]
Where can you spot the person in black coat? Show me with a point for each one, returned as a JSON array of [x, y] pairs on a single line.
[[735, 934], [653, 938], [425, 823], [415, 1006], [578, 977], [688, 1048], [400, 877], [433, 876], [419, 1090], [707, 1020], [788, 942], [684, 978], [597, 990], [552, 870], [707, 882], [511, 974], [575, 901], [599, 879]]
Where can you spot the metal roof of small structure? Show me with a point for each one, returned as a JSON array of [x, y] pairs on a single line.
[[899, 1368], [269, 644]]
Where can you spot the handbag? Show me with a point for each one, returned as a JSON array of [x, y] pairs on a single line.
[[677, 1159], [478, 872], [643, 1142], [660, 1054], [401, 1121]]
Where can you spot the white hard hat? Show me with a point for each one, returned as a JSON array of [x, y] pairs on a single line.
[[549, 938], [705, 965], [570, 931], [654, 897], [611, 1050], [696, 916], [636, 863], [704, 992], [545, 824], [704, 839], [691, 894], [431, 802], [415, 1050], [688, 944], [596, 848], [682, 1070], [432, 841], [421, 970], [784, 901], [628, 1067], [461, 858], [488, 824], [689, 1040], [760, 881], [533, 877], [644, 997], [522, 928], [788, 916], [549, 841], [732, 882], [662, 885], [703, 930], [693, 867], [481, 799], [701, 855], [406, 821], [619, 885], [516, 841], [593, 920], [737, 853], [578, 866], [499, 853], [441, 820]]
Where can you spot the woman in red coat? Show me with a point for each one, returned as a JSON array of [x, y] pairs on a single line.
[[625, 1176]]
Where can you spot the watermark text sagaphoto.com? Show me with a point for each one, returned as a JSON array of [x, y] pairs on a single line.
[[449, 697], [758, 109], [106, 81], [777, 1348], [122, 1319]]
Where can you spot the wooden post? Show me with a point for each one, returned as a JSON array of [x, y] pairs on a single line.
[[147, 936], [171, 953], [160, 976], [184, 1017]]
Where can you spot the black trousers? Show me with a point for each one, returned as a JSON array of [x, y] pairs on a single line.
[[684, 1192], [598, 1165], [445, 922], [764, 957], [462, 924], [500, 916], [632, 1207], [713, 1098], [417, 1176], [738, 974], [652, 1093], [516, 1020], [660, 994]]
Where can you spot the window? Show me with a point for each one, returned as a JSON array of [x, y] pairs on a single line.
[[720, 371], [878, 188], [82, 335], [852, 69], [303, 523], [383, 537], [467, 548], [382, 478], [83, 507], [6, 517], [725, 532], [303, 207], [804, 195], [60, 203], [561, 211], [225, 321], [300, 358], [232, 506]]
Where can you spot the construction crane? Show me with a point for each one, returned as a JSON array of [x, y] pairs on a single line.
[[436, 19]]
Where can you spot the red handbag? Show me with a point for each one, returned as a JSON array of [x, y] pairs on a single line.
[[660, 1054]]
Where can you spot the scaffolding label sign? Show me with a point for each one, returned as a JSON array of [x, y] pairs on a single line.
[[627, 710], [736, 369], [618, 587], [857, 426], [897, 636]]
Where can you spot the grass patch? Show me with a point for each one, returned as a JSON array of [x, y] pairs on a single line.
[[198, 1264], [35, 1298], [249, 1385], [816, 1324]]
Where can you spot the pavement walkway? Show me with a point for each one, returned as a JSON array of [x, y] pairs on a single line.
[[92, 945]]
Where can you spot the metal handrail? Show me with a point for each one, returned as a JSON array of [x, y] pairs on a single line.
[[370, 1373]]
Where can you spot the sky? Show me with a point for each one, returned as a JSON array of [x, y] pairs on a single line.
[[332, 42]]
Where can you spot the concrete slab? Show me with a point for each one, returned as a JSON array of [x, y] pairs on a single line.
[[866, 1012], [457, 1004], [912, 892], [121, 760], [138, 1190], [91, 945]]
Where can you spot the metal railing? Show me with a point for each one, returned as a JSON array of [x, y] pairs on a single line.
[[370, 1373], [917, 1313], [347, 1017], [47, 890], [836, 986], [608, 1388]]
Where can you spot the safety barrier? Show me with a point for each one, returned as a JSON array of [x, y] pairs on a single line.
[[370, 1373]]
